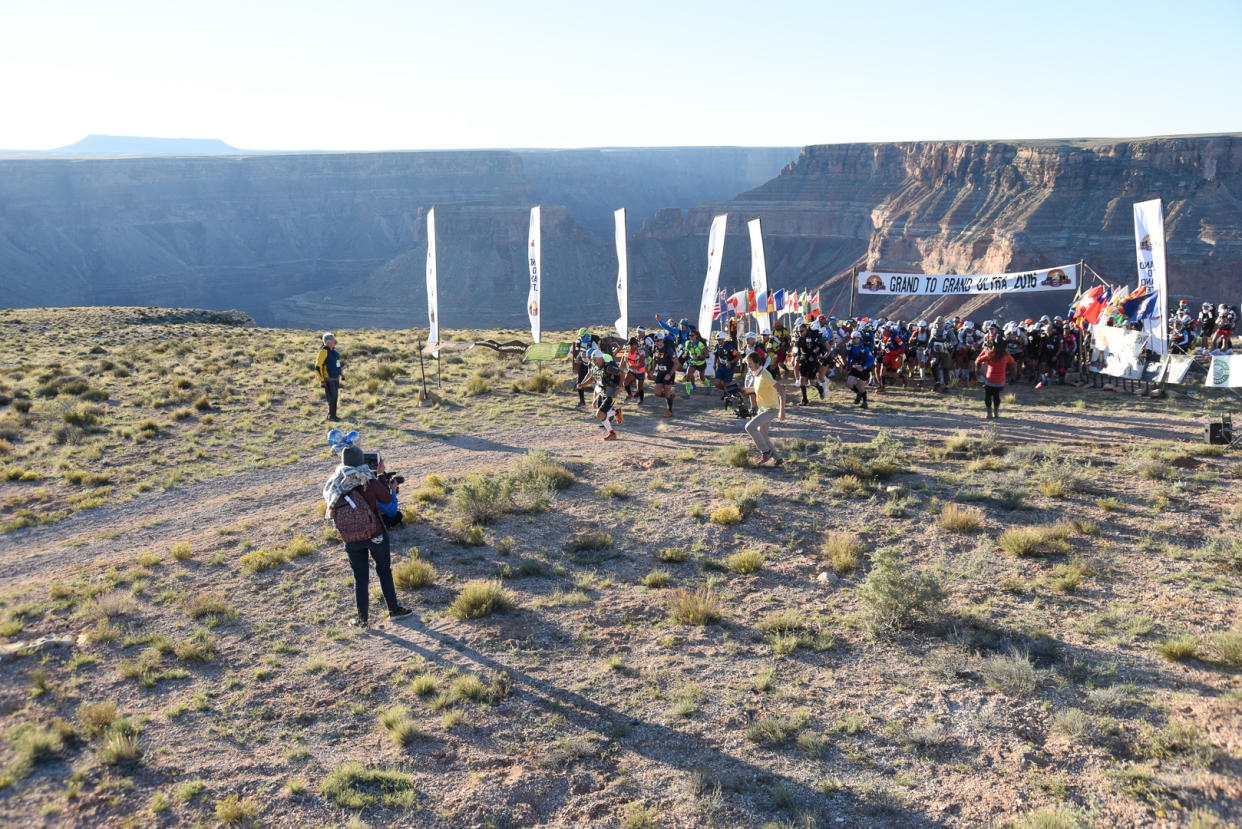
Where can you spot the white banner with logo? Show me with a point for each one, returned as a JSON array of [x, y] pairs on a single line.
[[433, 300], [1224, 372], [532, 299], [623, 276], [1064, 278], [1149, 245], [759, 273], [715, 252]]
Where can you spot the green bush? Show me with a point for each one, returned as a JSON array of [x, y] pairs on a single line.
[[478, 599], [893, 596]]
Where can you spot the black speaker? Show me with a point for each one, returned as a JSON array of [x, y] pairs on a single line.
[[1218, 434]]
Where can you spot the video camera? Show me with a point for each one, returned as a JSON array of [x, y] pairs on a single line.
[[389, 479]]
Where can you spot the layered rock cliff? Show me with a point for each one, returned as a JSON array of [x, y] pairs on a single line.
[[981, 207]]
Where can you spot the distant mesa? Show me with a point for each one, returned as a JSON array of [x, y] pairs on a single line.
[[140, 145]]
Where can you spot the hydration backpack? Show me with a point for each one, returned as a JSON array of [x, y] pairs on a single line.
[[354, 519]]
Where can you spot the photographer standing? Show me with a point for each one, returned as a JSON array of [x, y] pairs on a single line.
[[354, 497], [328, 367]]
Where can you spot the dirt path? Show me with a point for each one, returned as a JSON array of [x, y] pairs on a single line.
[[193, 511]]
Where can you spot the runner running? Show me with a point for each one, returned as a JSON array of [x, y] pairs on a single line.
[[664, 367], [607, 376], [859, 361]]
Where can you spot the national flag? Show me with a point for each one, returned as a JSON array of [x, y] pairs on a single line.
[[791, 303], [722, 307], [1133, 302], [750, 301], [1148, 307], [737, 303], [776, 302], [815, 309], [1091, 304]]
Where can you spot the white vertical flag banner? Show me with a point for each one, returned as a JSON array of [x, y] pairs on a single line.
[[433, 299], [532, 299], [759, 273], [1149, 244], [623, 277], [715, 252]]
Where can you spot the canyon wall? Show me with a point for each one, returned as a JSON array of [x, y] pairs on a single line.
[[334, 240]]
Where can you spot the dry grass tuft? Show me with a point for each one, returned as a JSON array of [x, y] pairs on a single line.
[[478, 599], [842, 551], [699, 607], [958, 519]]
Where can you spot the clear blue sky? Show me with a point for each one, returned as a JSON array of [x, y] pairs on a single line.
[[384, 74]]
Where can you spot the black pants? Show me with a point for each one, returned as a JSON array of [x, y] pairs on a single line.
[[358, 551], [582, 373], [332, 390], [991, 397]]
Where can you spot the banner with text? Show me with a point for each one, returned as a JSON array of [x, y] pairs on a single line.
[[1149, 245], [715, 252], [1064, 278], [623, 276], [433, 301], [532, 298]]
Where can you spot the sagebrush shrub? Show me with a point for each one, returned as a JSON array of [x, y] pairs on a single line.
[[893, 596]]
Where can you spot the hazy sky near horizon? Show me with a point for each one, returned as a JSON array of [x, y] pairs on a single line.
[[385, 74]]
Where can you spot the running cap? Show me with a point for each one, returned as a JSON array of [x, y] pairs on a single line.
[[720, 335], [582, 332], [750, 335]]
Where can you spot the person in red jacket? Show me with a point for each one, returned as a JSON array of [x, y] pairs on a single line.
[[995, 362]]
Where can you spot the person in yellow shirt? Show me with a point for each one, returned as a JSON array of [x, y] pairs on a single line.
[[769, 397]]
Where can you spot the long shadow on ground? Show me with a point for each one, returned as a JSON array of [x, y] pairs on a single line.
[[654, 741]]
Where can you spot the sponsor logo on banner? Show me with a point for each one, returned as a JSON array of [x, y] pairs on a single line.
[[1145, 242], [1056, 278], [1220, 372], [874, 283]]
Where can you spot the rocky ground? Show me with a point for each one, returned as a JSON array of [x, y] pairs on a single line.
[[918, 619]]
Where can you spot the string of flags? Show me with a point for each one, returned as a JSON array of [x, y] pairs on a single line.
[[783, 302]]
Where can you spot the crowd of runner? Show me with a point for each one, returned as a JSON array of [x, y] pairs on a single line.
[[865, 355]]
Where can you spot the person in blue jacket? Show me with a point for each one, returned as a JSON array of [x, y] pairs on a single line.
[[680, 332], [858, 363]]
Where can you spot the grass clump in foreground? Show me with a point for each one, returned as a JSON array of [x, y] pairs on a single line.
[[480, 598], [353, 786], [698, 607], [745, 562], [736, 455], [958, 519], [413, 573], [1032, 541], [893, 596], [1179, 648], [235, 809], [842, 551]]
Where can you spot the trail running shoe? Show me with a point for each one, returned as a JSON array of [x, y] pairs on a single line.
[[610, 436], [400, 613], [620, 417], [359, 622], [764, 458], [668, 414]]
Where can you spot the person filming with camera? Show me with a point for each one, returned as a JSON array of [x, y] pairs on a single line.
[[356, 501]]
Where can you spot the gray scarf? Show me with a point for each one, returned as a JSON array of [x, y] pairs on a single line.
[[343, 480]]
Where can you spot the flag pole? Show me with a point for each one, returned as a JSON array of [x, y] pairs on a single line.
[[853, 288]]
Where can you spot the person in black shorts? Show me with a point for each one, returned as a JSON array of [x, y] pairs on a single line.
[[607, 375], [809, 352], [664, 366]]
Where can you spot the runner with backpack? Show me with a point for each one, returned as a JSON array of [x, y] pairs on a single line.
[[354, 497]]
